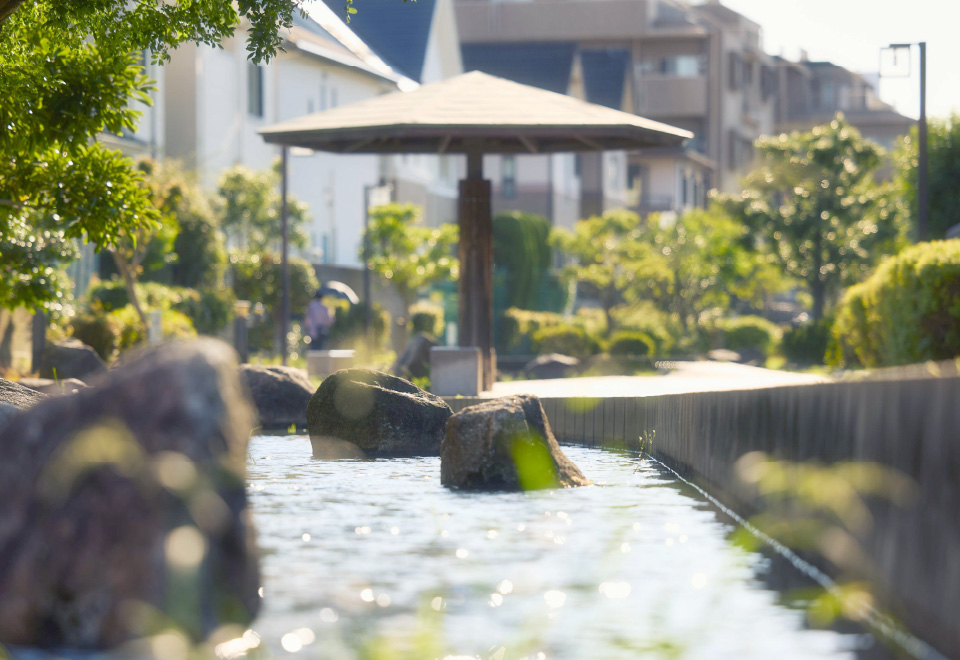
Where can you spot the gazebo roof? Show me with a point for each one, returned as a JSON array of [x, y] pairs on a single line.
[[473, 112]]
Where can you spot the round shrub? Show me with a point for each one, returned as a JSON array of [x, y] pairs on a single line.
[[347, 328], [749, 332], [99, 331], [566, 339], [806, 343], [427, 318], [908, 311], [631, 343]]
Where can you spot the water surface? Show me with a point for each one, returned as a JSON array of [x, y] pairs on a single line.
[[375, 559]]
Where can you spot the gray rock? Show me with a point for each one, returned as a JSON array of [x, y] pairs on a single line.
[[129, 497], [54, 387], [415, 361], [280, 394], [15, 397], [70, 359], [377, 412], [551, 365], [505, 444]]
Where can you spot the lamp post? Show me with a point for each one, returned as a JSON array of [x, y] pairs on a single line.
[[923, 199]]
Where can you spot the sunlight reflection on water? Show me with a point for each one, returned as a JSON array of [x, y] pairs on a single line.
[[357, 551]]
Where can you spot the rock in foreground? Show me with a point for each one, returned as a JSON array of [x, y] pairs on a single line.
[[377, 412], [280, 394], [15, 397], [70, 359], [126, 498], [505, 444]]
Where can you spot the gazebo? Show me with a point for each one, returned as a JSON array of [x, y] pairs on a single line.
[[471, 114]]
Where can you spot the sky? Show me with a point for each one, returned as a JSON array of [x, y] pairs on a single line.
[[852, 32]]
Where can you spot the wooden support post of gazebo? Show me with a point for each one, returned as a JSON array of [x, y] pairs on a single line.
[[476, 265]]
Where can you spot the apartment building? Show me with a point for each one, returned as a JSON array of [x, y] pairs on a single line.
[[698, 67], [812, 93]]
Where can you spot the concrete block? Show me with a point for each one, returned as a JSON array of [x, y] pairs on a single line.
[[456, 371], [323, 363]]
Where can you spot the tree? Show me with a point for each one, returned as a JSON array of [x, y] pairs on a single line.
[[814, 205], [697, 263], [131, 246], [521, 247], [602, 246], [68, 69], [250, 210], [943, 153], [408, 254]]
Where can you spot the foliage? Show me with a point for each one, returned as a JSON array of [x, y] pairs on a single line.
[[209, 310], [427, 318], [521, 247], [643, 316], [250, 210], [257, 278], [696, 264], [98, 330], [749, 332], [807, 343], [601, 247], [347, 328], [632, 343], [567, 339], [813, 205], [407, 254], [907, 311], [69, 70], [943, 157], [519, 327]]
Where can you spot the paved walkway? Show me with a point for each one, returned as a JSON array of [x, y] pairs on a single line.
[[683, 377]]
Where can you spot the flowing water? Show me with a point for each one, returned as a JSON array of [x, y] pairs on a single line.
[[375, 559]]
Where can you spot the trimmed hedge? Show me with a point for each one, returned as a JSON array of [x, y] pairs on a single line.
[[426, 317], [748, 332], [631, 343], [566, 339], [908, 311]]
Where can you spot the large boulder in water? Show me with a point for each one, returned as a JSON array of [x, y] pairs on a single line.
[[124, 505], [70, 359], [377, 412], [14, 397], [505, 444], [280, 394]]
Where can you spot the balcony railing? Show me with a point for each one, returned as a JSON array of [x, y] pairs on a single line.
[[672, 96]]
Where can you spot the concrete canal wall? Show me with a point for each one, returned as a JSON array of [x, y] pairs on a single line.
[[907, 419]]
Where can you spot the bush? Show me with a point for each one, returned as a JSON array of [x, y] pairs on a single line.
[[210, 310], [631, 343], [807, 343], [518, 329], [427, 318], [908, 311], [748, 332], [99, 331], [644, 317], [347, 328], [567, 339]]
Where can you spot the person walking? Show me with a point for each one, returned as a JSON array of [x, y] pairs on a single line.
[[317, 322]]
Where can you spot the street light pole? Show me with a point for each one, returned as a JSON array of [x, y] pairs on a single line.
[[284, 266], [923, 188]]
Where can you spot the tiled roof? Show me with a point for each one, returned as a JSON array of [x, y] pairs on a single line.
[[543, 65], [397, 31], [604, 74], [473, 111]]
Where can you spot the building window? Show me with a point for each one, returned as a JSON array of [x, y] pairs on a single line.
[[577, 166], [255, 90], [323, 92], [508, 177]]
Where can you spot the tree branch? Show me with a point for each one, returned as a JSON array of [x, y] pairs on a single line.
[[7, 7]]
